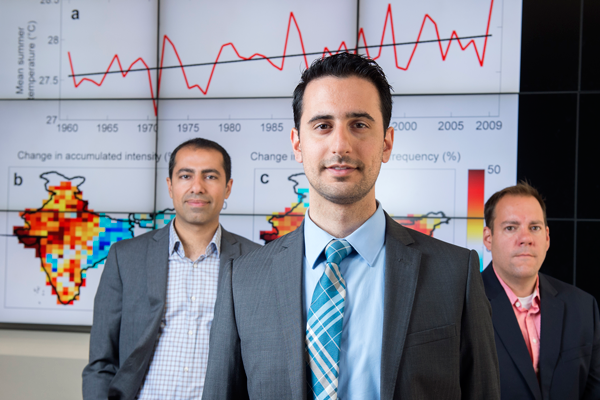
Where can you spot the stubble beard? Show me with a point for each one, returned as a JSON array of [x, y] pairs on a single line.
[[348, 193]]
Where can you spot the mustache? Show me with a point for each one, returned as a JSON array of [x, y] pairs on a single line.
[[345, 160]]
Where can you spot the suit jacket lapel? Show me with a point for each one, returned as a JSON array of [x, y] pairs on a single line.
[[507, 328], [230, 250], [401, 274], [157, 260], [287, 268], [552, 309]]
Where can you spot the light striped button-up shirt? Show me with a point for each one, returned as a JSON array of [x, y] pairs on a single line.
[[178, 366]]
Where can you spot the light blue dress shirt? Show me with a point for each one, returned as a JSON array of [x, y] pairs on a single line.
[[364, 272]]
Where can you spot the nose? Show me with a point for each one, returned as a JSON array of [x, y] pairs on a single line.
[[341, 138], [525, 237], [198, 185]]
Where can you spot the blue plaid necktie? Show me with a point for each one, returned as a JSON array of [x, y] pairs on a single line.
[[324, 325]]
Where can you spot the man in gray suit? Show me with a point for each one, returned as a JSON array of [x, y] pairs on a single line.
[[351, 305], [155, 303]]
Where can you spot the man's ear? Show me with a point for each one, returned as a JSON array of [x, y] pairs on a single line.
[[170, 187], [487, 238], [295, 138], [388, 144]]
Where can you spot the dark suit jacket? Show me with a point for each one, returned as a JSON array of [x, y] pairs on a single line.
[[569, 364], [128, 309], [437, 332]]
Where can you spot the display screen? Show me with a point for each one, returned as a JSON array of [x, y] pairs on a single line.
[[96, 95]]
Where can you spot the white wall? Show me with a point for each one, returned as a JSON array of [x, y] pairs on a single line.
[[42, 365]]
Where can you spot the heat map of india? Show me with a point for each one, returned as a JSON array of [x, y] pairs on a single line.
[[69, 238]]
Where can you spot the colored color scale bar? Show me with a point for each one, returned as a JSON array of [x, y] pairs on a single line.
[[475, 203]]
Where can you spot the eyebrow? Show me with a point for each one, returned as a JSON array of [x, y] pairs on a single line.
[[360, 115], [188, 170], [319, 117], [348, 115], [210, 171], [204, 171], [518, 223]]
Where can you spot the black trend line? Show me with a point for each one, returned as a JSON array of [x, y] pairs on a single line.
[[277, 57]]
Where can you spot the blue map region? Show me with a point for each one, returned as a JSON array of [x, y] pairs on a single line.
[[114, 231], [163, 219]]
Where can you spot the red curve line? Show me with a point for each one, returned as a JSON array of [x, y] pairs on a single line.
[[454, 35], [326, 51]]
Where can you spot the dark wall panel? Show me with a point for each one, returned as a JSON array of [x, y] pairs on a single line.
[[550, 45], [588, 266], [559, 259], [590, 77], [588, 192], [547, 132]]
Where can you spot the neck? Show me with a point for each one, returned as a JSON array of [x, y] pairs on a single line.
[[340, 220], [521, 287], [194, 238]]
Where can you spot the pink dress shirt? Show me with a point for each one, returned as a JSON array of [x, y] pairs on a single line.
[[529, 320]]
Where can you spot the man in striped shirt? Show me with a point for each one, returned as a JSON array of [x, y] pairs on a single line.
[[155, 303]]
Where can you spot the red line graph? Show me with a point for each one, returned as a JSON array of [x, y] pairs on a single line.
[[454, 35], [292, 20]]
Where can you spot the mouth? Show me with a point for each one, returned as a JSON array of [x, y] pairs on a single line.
[[197, 202], [340, 169], [524, 255]]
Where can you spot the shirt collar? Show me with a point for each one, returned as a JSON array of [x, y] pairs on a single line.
[[367, 240], [512, 297], [175, 243]]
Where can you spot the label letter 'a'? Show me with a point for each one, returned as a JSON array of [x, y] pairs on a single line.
[[75, 14]]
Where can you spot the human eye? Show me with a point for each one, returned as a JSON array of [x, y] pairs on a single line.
[[509, 228], [322, 126], [536, 228]]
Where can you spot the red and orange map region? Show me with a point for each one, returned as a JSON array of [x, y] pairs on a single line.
[[68, 238], [284, 222], [424, 223]]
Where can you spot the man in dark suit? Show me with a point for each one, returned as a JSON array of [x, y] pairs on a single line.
[[547, 332], [155, 302], [351, 305]]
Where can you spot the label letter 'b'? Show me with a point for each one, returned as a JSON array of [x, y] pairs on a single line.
[[18, 180]]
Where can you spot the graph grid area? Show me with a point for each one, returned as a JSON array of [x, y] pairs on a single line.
[[96, 95]]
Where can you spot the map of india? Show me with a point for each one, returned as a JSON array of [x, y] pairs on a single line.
[[68, 237]]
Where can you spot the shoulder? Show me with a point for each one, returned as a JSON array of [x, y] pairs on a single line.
[[264, 253], [141, 241], [570, 294], [247, 245], [441, 266], [428, 245]]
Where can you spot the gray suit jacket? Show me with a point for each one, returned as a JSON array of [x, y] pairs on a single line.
[[438, 339], [128, 309]]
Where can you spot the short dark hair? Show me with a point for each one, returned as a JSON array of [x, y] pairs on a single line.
[[201, 143], [344, 65], [522, 189]]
